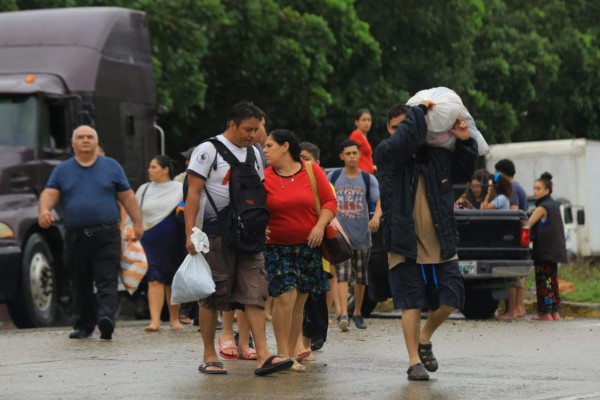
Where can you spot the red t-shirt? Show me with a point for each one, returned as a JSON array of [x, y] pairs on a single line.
[[365, 163], [292, 208]]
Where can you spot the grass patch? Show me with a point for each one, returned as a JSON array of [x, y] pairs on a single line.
[[583, 273]]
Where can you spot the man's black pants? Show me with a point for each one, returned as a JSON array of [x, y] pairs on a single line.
[[95, 260]]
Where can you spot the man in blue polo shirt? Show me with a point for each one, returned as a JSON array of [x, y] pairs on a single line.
[[88, 186]]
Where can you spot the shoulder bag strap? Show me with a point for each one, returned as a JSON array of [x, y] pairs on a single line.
[[144, 195], [313, 186]]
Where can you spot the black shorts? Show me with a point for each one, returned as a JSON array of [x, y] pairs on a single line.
[[427, 286]]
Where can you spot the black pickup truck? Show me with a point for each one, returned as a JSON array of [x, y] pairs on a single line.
[[493, 252]]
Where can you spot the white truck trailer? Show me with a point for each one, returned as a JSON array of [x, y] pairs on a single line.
[[575, 167]]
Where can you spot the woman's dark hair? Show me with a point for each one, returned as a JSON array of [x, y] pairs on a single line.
[[165, 162], [546, 180], [360, 112], [483, 177], [281, 136], [502, 185]]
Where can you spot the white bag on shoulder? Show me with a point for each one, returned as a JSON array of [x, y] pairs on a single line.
[[448, 107], [193, 280]]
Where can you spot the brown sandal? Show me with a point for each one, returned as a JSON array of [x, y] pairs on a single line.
[[427, 357]]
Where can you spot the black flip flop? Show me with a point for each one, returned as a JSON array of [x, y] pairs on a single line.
[[203, 368], [269, 367]]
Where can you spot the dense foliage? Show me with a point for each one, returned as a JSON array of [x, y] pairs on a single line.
[[526, 70]]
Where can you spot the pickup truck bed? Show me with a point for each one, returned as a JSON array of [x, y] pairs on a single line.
[[493, 253]]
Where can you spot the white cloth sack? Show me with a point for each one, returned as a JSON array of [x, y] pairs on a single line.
[[193, 280], [448, 107]]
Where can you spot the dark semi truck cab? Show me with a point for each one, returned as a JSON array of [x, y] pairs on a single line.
[[493, 253], [59, 69]]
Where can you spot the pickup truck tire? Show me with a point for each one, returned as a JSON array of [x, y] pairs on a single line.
[[36, 302], [479, 304]]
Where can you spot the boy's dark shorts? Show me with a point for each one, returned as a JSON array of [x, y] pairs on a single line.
[[427, 286]]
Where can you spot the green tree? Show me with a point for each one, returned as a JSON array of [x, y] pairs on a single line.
[[8, 5], [274, 56], [538, 62], [423, 45]]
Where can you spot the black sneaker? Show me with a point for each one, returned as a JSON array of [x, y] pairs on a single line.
[[106, 328], [343, 323], [359, 322], [417, 373], [79, 333]]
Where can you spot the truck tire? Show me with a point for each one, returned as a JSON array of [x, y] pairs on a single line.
[[479, 304], [36, 302]]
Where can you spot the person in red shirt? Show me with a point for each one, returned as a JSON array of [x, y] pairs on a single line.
[[293, 254], [363, 126]]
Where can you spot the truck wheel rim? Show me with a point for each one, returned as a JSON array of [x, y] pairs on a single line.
[[41, 281]]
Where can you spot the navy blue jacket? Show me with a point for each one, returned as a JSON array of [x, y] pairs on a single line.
[[400, 160]]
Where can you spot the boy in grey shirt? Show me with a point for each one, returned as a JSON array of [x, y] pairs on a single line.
[[355, 191]]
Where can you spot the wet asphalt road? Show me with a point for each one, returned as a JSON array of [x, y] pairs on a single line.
[[478, 360]]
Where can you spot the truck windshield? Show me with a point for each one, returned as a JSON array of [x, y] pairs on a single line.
[[18, 121]]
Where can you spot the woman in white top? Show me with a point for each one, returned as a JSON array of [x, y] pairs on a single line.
[[164, 238], [500, 191]]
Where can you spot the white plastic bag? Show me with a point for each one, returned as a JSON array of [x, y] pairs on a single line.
[[193, 280], [448, 107]]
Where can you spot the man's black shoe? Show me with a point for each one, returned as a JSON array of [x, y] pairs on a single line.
[[106, 328], [80, 334]]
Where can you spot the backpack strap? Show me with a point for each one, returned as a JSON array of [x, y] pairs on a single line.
[[335, 175], [230, 159], [228, 155], [367, 180]]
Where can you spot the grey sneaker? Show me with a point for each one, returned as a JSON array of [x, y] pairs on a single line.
[[417, 373], [343, 323]]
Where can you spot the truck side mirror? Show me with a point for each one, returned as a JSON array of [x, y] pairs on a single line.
[[580, 217]]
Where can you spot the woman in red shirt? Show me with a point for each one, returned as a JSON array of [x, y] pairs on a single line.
[[293, 254], [363, 126]]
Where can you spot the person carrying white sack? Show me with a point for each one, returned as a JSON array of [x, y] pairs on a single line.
[[449, 110]]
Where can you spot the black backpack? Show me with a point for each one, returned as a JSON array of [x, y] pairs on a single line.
[[243, 223]]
